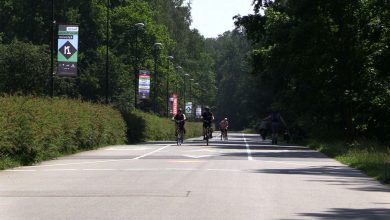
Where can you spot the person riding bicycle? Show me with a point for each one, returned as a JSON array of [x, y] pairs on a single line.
[[207, 117], [275, 119], [223, 126], [180, 119]]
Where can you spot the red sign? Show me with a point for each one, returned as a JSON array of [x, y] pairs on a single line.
[[174, 104]]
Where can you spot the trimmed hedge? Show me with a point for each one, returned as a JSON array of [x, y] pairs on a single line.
[[35, 129], [143, 126]]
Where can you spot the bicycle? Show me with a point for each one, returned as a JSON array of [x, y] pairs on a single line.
[[208, 134], [224, 134], [179, 132]]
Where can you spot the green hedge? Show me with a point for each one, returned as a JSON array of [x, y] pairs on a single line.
[[148, 127], [34, 129]]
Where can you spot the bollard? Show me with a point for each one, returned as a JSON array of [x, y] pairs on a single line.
[[387, 171]]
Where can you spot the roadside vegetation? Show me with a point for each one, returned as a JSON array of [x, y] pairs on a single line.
[[365, 155], [143, 126], [35, 129]]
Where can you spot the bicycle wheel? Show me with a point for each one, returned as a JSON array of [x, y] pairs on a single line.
[[178, 134], [181, 137], [207, 136]]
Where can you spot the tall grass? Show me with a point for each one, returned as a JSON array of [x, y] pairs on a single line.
[[365, 155]]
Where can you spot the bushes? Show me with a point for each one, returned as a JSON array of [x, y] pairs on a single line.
[[34, 129], [147, 127]]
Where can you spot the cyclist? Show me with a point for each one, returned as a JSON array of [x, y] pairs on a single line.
[[181, 118], [275, 119], [223, 126], [207, 117]]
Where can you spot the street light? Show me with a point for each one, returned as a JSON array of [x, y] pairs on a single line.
[[191, 80], [53, 22], [156, 47], [107, 42], [184, 96], [178, 68], [169, 59], [137, 26]]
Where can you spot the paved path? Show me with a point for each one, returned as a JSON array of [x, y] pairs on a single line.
[[243, 178]]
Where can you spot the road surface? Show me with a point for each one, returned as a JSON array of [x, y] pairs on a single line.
[[243, 178]]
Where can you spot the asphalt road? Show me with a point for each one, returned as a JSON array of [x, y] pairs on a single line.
[[243, 178]]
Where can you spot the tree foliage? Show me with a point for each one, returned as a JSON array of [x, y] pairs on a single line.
[[28, 23], [324, 62]]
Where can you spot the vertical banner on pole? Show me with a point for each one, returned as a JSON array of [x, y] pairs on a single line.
[[189, 109], [144, 84], [174, 103], [198, 111], [68, 44]]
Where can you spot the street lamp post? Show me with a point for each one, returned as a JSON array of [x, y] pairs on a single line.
[[137, 27], [53, 22], [169, 59], [178, 68], [107, 42], [156, 46], [191, 80], [185, 88]]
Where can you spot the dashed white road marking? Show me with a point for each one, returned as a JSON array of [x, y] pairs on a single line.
[[248, 150]]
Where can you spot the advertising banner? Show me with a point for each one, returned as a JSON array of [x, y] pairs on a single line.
[[174, 103], [198, 111], [144, 84], [189, 109], [68, 44]]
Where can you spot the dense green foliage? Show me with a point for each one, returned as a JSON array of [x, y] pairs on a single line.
[[324, 64], [147, 127], [25, 31], [33, 129]]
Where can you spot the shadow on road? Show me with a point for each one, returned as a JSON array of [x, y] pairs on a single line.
[[339, 171], [358, 182], [361, 214]]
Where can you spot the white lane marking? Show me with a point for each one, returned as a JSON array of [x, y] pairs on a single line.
[[99, 161], [99, 169], [147, 154], [19, 170], [225, 170], [136, 170], [56, 170], [182, 169], [126, 149], [198, 156], [201, 151], [248, 150]]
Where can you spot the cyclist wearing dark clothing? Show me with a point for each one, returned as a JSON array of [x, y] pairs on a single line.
[[275, 119], [207, 117], [181, 118]]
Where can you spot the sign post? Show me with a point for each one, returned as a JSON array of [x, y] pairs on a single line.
[[189, 109], [198, 111], [68, 41], [144, 84], [175, 103]]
